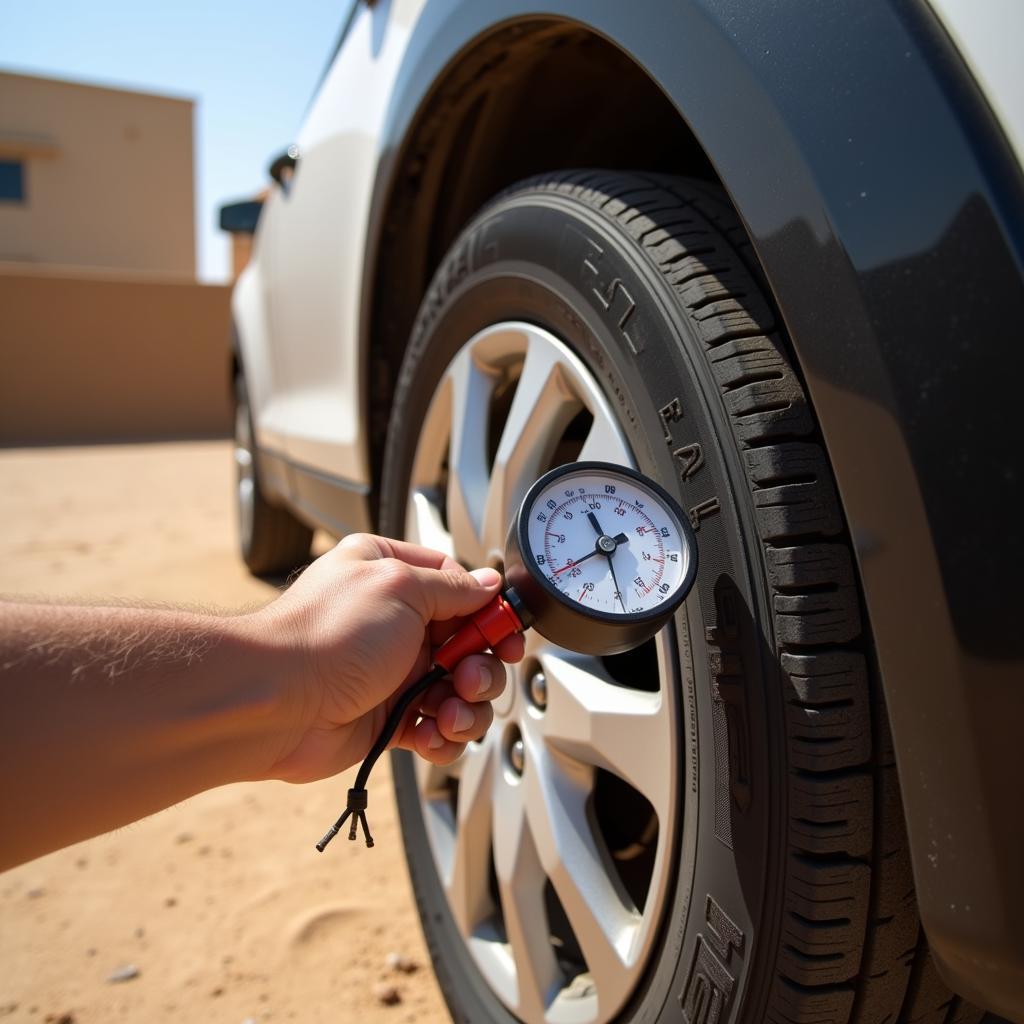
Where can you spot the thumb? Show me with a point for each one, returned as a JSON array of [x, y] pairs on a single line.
[[452, 593]]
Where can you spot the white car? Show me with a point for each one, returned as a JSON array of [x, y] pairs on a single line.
[[770, 255]]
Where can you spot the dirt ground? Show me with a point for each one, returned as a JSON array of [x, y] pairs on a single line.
[[219, 909]]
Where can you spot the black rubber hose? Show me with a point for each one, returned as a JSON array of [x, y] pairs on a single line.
[[357, 795]]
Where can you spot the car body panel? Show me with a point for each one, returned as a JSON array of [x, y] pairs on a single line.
[[987, 38], [886, 209], [310, 247]]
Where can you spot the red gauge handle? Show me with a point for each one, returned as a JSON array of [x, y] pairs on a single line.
[[499, 618]]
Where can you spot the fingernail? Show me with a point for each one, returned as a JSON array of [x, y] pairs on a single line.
[[487, 576], [464, 718], [435, 741], [486, 679]]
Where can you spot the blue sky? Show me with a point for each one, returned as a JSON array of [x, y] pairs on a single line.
[[250, 66]]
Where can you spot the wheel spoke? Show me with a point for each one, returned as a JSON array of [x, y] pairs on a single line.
[[604, 925], [542, 408], [605, 443], [423, 524], [468, 471], [467, 882], [622, 730], [423, 520], [521, 886], [438, 819]]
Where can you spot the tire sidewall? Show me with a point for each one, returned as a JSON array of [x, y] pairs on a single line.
[[560, 265]]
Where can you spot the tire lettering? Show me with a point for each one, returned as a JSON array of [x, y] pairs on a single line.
[[703, 510], [612, 294], [671, 413], [690, 458], [733, 784], [709, 984]]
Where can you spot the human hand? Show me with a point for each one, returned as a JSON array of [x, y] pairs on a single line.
[[357, 628]]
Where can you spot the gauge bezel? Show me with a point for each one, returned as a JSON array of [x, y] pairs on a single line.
[[557, 616]]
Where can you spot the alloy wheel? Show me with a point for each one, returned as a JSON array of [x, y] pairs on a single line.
[[245, 480], [553, 837]]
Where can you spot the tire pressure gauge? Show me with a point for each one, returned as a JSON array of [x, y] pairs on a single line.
[[600, 556], [597, 560]]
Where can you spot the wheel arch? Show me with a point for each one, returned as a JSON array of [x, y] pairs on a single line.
[[475, 132], [850, 186]]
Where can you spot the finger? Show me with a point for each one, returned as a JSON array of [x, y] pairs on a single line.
[[427, 741], [435, 696], [448, 593], [512, 648], [477, 678], [460, 721], [480, 677], [369, 546], [440, 630]]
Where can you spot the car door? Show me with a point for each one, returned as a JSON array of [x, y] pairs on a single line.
[[313, 245]]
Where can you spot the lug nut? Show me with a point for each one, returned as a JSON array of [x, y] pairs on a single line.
[[517, 756], [539, 690]]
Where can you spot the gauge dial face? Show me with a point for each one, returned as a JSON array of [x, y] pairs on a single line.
[[608, 543]]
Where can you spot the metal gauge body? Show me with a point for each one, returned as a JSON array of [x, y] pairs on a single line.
[[601, 556]]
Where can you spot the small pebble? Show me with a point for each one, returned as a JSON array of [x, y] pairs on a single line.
[[123, 973], [140, 932], [184, 837], [398, 962], [387, 994], [34, 894], [170, 902], [218, 991]]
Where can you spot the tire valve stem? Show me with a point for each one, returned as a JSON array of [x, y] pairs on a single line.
[[501, 617]]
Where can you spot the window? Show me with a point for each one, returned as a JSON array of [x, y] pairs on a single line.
[[12, 181]]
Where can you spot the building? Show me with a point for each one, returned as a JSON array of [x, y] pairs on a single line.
[[105, 334], [95, 177]]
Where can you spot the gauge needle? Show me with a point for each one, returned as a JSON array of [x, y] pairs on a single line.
[[615, 582], [571, 564], [619, 538]]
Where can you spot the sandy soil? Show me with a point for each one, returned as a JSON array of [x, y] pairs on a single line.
[[221, 904]]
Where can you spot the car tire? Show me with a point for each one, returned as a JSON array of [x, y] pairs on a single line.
[[272, 541], [790, 895]]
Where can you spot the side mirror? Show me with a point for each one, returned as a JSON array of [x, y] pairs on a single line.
[[241, 218], [283, 167]]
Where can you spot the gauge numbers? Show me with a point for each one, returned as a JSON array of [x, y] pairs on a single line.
[[607, 543]]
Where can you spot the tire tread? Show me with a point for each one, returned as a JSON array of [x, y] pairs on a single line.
[[851, 946]]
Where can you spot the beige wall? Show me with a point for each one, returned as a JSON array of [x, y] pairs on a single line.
[[94, 357], [108, 176]]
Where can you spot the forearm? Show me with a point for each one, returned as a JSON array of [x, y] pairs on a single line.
[[110, 714]]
